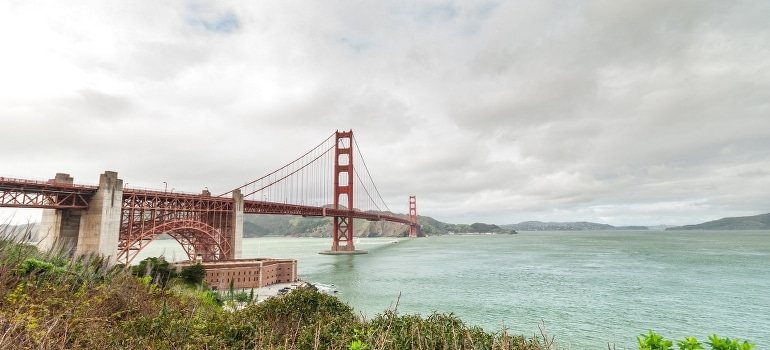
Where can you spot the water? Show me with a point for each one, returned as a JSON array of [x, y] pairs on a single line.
[[588, 288]]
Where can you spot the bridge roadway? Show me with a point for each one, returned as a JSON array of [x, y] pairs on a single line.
[[260, 207]]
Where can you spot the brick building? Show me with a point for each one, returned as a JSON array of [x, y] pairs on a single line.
[[247, 273]]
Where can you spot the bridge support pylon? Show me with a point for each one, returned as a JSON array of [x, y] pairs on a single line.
[[342, 236], [236, 235], [92, 230], [414, 226], [60, 228]]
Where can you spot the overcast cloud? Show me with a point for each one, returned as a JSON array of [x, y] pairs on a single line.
[[620, 112]]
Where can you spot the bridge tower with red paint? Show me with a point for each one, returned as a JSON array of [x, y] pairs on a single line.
[[342, 235], [414, 226]]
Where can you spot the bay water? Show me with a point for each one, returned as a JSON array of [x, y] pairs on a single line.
[[588, 289]]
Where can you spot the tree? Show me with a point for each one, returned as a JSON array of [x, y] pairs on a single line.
[[158, 268], [193, 274]]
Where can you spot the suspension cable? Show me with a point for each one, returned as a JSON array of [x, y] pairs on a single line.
[[282, 168], [358, 150]]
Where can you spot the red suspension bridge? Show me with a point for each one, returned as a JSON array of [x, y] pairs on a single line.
[[119, 222]]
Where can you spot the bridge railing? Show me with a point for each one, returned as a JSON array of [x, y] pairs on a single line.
[[171, 192], [41, 183]]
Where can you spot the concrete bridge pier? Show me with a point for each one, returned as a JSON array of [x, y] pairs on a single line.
[[60, 227], [95, 229], [236, 239]]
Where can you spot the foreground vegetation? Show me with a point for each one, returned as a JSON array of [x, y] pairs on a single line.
[[51, 301]]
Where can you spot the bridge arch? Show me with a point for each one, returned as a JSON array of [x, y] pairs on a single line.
[[196, 238]]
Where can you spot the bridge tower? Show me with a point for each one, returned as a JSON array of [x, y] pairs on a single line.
[[414, 226], [343, 193], [342, 237]]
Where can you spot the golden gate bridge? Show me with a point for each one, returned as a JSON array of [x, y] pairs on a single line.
[[331, 180]]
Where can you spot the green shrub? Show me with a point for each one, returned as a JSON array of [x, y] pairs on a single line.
[[689, 343], [654, 341], [728, 344], [193, 274], [158, 268], [302, 319], [31, 265]]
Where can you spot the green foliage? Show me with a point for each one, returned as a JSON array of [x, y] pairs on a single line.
[[193, 274], [689, 343], [481, 227], [242, 297], [718, 343], [158, 268], [210, 297], [31, 265], [302, 319], [261, 225], [309, 224], [438, 331], [358, 343], [653, 341]]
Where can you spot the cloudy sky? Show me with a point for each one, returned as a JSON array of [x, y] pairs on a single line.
[[620, 112]]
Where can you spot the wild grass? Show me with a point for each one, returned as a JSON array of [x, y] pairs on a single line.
[[50, 300]]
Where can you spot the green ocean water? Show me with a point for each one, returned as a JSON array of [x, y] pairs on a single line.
[[587, 288]]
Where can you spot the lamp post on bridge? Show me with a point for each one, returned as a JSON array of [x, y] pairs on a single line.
[[165, 186]]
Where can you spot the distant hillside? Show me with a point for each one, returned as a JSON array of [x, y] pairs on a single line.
[[286, 225], [289, 225], [567, 226], [756, 222]]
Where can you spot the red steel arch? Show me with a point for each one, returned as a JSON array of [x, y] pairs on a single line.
[[196, 238], [201, 224]]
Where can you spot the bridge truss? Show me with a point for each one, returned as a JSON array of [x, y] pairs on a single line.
[[22, 193]]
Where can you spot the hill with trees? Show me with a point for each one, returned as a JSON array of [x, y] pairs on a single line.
[[567, 226], [287, 225], [755, 222]]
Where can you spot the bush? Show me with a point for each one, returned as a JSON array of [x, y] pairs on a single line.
[[193, 274], [302, 319], [158, 269], [654, 341]]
